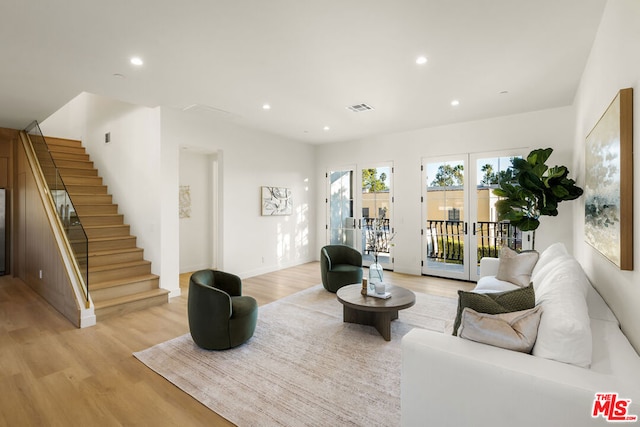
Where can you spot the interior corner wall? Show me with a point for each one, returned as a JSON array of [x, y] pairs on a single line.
[[250, 243], [613, 65], [131, 165], [547, 128]]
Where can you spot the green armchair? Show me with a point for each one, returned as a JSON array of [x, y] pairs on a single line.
[[340, 265], [219, 316]]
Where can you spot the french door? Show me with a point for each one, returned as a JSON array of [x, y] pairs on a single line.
[[360, 211], [460, 224]]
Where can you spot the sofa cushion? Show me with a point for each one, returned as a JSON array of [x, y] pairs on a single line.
[[516, 267], [491, 284], [494, 303], [551, 257], [564, 333], [514, 331]]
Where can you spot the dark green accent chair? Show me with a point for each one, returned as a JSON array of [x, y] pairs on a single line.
[[340, 265], [219, 316]]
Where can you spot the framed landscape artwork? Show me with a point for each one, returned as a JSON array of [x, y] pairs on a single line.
[[609, 182], [276, 201]]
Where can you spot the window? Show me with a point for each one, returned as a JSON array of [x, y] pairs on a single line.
[[454, 214]]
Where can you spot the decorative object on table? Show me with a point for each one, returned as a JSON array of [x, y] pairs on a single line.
[[377, 289], [377, 241], [365, 286], [276, 201], [531, 189], [384, 295], [340, 265], [608, 206]]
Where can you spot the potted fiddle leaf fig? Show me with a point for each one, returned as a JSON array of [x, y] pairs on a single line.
[[531, 189]]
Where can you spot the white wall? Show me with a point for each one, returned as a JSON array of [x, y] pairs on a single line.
[[142, 170], [251, 244], [614, 64], [549, 128], [196, 230], [131, 165]]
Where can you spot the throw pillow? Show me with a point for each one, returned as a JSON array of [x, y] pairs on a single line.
[[495, 303], [516, 267], [514, 331]]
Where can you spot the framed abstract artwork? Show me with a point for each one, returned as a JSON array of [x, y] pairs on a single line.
[[276, 201], [185, 201], [608, 189]]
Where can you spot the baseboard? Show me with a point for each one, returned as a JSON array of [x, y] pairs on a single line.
[[408, 269], [272, 268]]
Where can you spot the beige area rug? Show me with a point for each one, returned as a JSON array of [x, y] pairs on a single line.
[[303, 366]]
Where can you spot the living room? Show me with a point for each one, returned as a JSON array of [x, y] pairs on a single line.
[[248, 158], [286, 241]]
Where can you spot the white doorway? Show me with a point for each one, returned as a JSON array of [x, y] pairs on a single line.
[[199, 210], [460, 224], [360, 210]]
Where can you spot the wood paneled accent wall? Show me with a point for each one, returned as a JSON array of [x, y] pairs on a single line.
[[35, 249], [8, 140]]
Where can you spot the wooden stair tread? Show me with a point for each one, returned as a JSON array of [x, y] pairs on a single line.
[[119, 265], [129, 298], [105, 226], [111, 238], [96, 216], [114, 251], [120, 282]]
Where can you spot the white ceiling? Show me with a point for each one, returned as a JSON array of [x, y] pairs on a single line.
[[308, 59]]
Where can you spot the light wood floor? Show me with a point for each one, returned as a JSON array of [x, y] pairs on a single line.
[[54, 374]]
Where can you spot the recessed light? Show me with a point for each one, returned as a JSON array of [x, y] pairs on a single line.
[[266, 107], [137, 61], [118, 75], [420, 60], [455, 103], [504, 92], [326, 128]]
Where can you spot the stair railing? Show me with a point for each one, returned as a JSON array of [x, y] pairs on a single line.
[[71, 224]]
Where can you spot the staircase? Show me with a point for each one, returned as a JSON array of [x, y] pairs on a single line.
[[120, 279]]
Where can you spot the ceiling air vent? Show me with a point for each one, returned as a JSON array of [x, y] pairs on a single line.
[[358, 108]]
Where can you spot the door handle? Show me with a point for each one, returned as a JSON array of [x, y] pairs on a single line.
[[465, 229], [474, 228]]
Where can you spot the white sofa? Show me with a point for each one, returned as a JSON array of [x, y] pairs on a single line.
[[450, 381]]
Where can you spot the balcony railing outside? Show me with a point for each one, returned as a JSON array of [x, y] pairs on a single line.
[[445, 239], [69, 219], [377, 235]]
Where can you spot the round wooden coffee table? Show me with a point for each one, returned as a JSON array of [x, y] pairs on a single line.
[[372, 311]]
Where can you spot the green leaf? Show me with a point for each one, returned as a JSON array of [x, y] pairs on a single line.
[[560, 192], [528, 224], [530, 181], [520, 165], [539, 156], [500, 192], [539, 170]]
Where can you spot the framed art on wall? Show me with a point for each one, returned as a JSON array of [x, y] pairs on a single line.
[[276, 201], [608, 189]]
